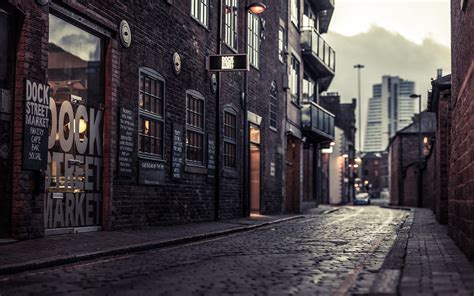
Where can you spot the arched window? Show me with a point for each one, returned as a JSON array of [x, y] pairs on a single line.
[[195, 127], [151, 105]]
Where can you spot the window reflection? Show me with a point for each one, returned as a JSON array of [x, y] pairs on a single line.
[[74, 64]]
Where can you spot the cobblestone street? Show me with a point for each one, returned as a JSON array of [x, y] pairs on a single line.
[[335, 253]]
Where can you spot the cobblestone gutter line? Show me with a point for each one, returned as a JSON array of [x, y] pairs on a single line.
[[62, 260], [389, 277]]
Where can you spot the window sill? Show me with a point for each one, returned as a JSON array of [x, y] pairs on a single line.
[[146, 156], [234, 50], [229, 173], [273, 129], [195, 169], [201, 24], [296, 104]]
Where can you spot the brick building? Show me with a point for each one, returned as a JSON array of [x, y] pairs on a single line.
[[460, 137], [111, 120], [403, 161], [375, 172], [131, 137], [342, 151], [311, 68], [438, 102]]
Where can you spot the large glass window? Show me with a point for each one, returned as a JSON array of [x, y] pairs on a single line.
[[253, 36], [195, 127], [231, 16], [76, 80], [199, 10], [151, 108], [294, 80], [230, 140]]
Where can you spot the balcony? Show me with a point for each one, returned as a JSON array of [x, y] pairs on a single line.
[[317, 123], [318, 56], [325, 8]]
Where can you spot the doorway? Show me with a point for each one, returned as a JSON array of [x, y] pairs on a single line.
[[7, 56], [292, 175], [254, 170]]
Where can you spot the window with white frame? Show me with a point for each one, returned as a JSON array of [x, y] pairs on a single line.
[[294, 78], [151, 113], [199, 10], [295, 11], [230, 139], [195, 127], [231, 9], [281, 44], [253, 36]]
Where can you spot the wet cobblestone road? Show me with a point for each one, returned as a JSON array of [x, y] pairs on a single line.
[[337, 253]]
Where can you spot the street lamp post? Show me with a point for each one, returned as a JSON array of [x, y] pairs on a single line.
[[359, 67], [419, 199], [358, 159], [255, 7]]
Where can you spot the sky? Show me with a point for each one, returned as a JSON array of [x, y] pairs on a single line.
[[406, 38]]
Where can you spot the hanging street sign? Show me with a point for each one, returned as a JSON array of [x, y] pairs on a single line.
[[227, 63]]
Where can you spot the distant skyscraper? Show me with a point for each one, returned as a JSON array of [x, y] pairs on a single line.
[[390, 109]]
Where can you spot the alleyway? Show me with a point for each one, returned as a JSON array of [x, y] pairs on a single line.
[[340, 252]]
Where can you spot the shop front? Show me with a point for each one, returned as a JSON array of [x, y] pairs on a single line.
[[73, 179], [7, 56]]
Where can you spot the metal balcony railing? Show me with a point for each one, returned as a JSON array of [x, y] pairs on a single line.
[[318, 121], [311, 41]]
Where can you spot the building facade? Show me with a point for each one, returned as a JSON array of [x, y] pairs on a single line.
[[110, 118], [390, 109], [407, 162], [311, 68], [460, 137], [341, 153]]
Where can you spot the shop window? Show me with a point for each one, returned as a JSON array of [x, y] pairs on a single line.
[[199, 10], [231, 18], [151, 113], [195, 127], [76, 81], [230, 139], [253, 39]]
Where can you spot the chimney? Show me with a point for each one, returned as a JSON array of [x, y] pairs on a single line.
[[439, 73]]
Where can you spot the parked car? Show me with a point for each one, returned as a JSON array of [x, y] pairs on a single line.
[[362, 198]]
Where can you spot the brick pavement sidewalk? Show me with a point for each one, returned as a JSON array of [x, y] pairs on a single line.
[[425, 261], [63, 249]]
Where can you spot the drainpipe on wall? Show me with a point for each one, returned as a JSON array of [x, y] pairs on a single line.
[[218, 112]]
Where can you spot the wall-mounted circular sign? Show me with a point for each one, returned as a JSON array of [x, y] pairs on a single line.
[[213, 83], [43, 2], [125, 34], [176, 63]]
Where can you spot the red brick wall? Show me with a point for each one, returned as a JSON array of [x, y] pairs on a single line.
[[31, 63], [410, 186], [440, 202], [461, 154], [429, 179]]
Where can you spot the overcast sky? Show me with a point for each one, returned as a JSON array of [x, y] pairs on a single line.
[[406, 38]]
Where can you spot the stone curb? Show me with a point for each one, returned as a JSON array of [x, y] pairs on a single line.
[[330, 211], [398, 208], [62, 260]]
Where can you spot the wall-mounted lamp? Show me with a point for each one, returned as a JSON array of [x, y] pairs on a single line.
[[345, 155], [332, 143], [256, 7]]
